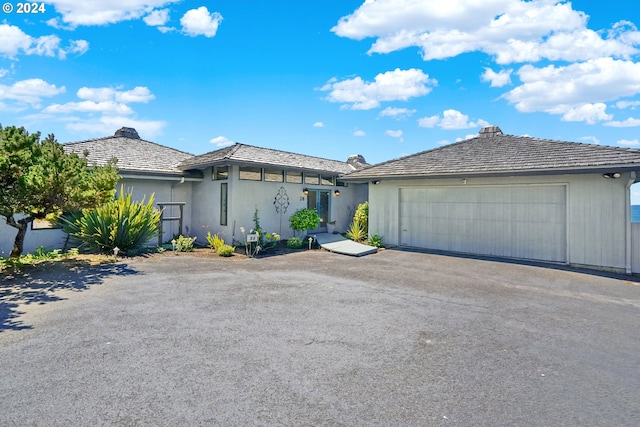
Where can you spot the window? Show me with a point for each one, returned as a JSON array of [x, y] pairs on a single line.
[[326, 180], [273, 175], [223, 203], [220, 173], [341, 184], [294, 177], [250, 173], [311, 179]]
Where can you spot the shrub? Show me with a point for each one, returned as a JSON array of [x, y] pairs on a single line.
[[271, 240], [361, 217], [225, 250], [375, 240], [294, 243], [356, 232], [184, 244], [120, 223], [215, 241], [304, 219]]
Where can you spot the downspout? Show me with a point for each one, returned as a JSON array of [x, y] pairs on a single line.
[[630, 182]]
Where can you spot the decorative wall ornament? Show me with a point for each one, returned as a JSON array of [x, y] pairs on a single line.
[[281, 202]]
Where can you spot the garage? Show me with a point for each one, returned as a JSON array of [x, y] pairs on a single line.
[[523, 221]]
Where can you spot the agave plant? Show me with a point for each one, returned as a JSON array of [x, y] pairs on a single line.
[[121, 223]]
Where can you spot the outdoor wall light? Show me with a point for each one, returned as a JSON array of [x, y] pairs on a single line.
[[613, 175], [375, 181], [305, 190], [336, 193]]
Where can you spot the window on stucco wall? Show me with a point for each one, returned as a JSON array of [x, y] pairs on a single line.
[[311, 179], [293, 177], [273, 175], [220, 173], [250, 173], [223, 203]]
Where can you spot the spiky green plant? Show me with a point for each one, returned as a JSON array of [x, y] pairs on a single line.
[[356, 232], [121, 223]]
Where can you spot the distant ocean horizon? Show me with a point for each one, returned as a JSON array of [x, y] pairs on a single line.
[[635, 213]]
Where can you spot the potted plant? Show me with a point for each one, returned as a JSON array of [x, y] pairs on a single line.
[[330, 226]]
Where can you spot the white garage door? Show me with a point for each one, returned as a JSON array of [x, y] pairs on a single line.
[[526, 222]]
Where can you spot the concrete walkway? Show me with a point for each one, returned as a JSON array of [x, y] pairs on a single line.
[[338, 244]]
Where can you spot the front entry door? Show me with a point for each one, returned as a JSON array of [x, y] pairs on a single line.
[[319, 200]]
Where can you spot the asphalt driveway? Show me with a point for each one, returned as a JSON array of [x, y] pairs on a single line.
[[315, 338]]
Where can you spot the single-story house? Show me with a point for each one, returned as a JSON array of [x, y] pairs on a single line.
[[510, 196], [216, 192]]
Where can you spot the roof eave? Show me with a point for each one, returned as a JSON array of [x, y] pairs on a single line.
[[510, 172], [223, 162]]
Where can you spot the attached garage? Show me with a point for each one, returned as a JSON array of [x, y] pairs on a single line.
[[509, 196], [509, 221]]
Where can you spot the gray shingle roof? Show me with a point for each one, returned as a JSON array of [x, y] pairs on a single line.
[[134, 155], [495, 153], [250, 155]]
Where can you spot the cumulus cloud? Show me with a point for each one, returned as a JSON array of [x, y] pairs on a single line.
[[359, 132], [576, 91], [397, 85], [318, 125], [105, 125], [630, 122], [200, 22], [627, 104], [590, 139], [499, 79], [137, 94], [221, 141], [106, 107], [157, 18], [30, 91], [14, 41], [77, 13], [396, 113], [395, 134], [628, 142], [509, 30], [451, 120]]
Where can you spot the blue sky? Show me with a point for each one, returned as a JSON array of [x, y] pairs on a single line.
[[328, 78]]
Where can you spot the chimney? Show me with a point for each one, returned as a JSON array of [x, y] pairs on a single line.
[[357, 161], [127, 133], [490, 131]]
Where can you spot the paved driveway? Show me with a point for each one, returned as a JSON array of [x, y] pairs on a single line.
[[315, 338]]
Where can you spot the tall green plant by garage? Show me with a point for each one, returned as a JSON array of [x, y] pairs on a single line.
[[121, 223], [359, 228]]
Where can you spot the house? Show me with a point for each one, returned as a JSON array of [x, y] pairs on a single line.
[[510, 196], [242, 178], [216, 192]]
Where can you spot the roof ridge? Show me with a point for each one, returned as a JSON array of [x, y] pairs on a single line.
[[104, 138], [237, 146]]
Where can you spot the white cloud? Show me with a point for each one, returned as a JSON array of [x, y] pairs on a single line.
[[13, 41], [359, 132], [499, 79], [589, 113], [576, 90], [627, 104], [3, 72], [630, 122], [318, 125], [397, 85], [148, 129], [396, 113], [468, 136], [99, 94], [30, 91], [86, 13], [199, 22], [510, 30], [591, 139], [628, 142], [157, 18], [105, 107], [221, 141], [395, 134], [451, 120]]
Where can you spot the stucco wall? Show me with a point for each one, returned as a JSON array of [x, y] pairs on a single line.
[[596, 212], [54, 239], [245, 196]]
